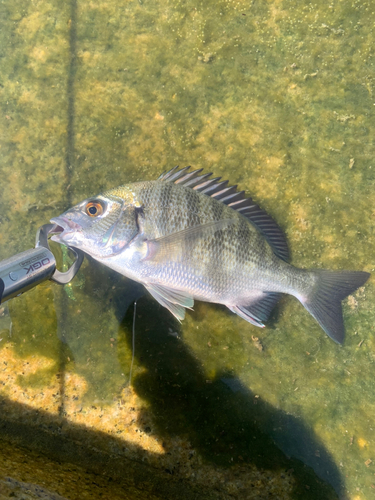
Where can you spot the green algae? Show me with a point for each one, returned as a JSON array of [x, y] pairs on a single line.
[[277, 96]]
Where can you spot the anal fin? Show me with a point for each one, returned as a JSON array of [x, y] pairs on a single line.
[[258, 311], [246, 315]]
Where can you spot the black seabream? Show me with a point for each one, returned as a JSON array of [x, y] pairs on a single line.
[[187, 236]]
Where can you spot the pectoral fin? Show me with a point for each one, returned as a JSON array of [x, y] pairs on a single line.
[[174, 300], [172, 246]]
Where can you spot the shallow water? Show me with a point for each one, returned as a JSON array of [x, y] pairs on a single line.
[[276, 96]]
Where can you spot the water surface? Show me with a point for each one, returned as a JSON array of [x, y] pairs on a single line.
[[277, 97]]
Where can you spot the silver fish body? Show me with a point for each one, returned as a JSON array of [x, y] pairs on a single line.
[[188, 237]]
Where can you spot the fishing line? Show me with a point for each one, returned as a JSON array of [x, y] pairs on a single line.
[[133, 343]]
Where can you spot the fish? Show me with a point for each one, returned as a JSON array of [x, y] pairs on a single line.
[[189, 236]]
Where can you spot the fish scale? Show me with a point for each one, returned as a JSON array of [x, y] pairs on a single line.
[[186, 237]]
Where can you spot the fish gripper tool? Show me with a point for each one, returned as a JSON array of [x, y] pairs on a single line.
[[28, 269]]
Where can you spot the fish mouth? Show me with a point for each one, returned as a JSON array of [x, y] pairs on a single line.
[[65, 229]]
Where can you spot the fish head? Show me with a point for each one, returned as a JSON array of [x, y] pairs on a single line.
[[100, 226]]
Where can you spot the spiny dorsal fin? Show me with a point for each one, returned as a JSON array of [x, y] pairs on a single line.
[[235, 199]]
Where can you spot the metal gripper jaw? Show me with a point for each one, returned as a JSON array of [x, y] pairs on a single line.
[[30, 268]]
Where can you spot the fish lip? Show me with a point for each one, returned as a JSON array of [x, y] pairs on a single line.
[[65, 230], [64, 224]]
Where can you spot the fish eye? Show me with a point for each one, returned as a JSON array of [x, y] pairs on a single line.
[[94, 208]]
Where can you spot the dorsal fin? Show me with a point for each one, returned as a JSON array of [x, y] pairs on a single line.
[[235, 199]]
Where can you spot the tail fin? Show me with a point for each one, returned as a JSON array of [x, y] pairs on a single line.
[[324, 301]]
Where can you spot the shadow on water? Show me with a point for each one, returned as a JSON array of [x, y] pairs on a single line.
[[95, 451], [69, 159], [225, 421]]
